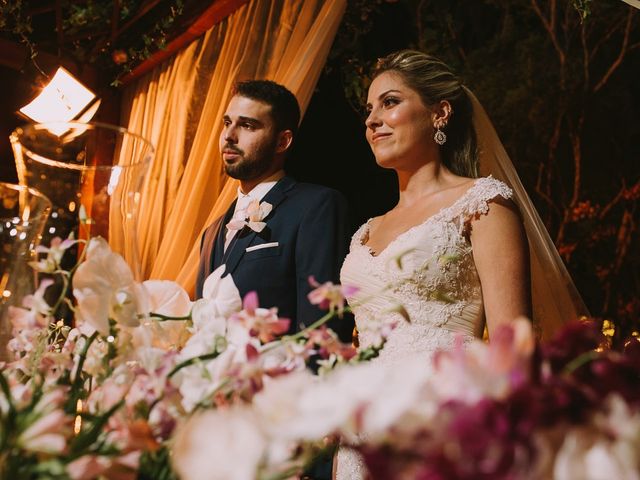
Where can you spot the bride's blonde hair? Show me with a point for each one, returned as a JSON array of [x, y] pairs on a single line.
[[434, 81]]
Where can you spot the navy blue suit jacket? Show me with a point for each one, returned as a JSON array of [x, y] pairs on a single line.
[[309, 224]]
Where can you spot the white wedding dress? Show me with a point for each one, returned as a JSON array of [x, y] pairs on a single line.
[[429, 271]]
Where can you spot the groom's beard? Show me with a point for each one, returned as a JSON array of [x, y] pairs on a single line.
[[253, 165]]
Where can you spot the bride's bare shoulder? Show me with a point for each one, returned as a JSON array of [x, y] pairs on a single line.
[[458, 186]]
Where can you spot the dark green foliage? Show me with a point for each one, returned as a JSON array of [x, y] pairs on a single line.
[[156, 466], [88, 34]]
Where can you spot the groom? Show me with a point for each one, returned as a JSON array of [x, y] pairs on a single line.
[[278, 232]]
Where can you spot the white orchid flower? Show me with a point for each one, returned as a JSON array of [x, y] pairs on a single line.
[[220, 299], [223, 291], [104, 288], [167, 298], [233, 453], [164, 299], [256, 212], [54, 252]]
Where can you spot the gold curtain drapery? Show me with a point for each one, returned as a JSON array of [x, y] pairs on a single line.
[[179, 107]]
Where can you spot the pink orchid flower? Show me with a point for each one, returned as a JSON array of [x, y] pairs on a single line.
[[330, 296], [89, 467], [47, 434], [50, 431], [247, 377], [36, 312], [261, 322], [327, 343]]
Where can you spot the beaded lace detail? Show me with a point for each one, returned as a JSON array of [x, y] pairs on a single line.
[[430, 272]]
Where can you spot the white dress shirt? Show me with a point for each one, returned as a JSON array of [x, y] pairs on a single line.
[[244, 199]]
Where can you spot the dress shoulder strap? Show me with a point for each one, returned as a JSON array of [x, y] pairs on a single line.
[[483, 191], [359, 238], [475, 202]]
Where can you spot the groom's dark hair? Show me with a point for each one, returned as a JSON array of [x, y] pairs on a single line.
[[285, 110]]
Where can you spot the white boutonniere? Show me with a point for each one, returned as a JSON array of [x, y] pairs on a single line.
[[251, 217]]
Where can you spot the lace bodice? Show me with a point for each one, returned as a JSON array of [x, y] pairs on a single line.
[[429, 271]]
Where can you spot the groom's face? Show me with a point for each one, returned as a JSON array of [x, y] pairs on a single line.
[[248, 142]]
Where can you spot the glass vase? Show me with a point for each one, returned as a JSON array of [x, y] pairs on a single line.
[[23, 214], [93, 173]]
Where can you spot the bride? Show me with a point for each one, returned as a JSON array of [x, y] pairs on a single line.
[[458, 250]]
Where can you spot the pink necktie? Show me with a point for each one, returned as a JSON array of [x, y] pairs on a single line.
[[240, 212]]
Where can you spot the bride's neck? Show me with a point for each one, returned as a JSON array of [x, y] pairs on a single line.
[[427, 179]]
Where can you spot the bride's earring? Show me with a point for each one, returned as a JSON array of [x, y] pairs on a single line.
[[440, 137]]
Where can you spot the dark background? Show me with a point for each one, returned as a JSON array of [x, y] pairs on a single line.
[[331, 147], [12, 95]]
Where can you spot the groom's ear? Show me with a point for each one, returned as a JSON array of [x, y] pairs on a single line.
[[285, 139]]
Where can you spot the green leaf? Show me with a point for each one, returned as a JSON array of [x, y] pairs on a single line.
[[400, 310], [398, 258], [50, 469], [441, 296], [156, 466]]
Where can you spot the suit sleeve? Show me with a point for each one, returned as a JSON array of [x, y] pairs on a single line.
[[201, 268], [322, 244], [206, 252]]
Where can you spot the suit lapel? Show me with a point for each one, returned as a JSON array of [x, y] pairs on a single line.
[[221, 237], [275, 196]]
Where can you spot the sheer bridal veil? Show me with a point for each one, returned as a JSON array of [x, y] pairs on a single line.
[[555, 298]]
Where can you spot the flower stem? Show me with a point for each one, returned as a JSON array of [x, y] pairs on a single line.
[[4, 385], [162, 318], [191, 361], [77, 380], [318, 323], [66, 278], [204, 405], [63, 294], [83, 355], [290, 473], [580, 360]]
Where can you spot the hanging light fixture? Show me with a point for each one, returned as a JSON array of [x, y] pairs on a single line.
[[63, 99]]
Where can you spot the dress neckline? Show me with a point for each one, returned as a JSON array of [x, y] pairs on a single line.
[[428, 220]]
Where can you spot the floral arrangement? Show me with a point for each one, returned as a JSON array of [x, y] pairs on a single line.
[[150, 385], [510, 409], [104, 398]]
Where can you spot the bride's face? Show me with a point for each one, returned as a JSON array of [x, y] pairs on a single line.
[[399, 125]]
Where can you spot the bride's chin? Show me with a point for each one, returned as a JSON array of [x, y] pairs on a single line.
[[383, 160], [388, 158], [386, 162]]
